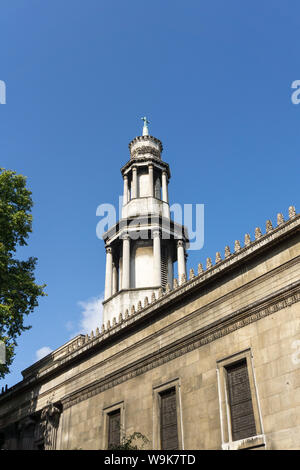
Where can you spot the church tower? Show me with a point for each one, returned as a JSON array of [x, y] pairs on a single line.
[[143, 246]]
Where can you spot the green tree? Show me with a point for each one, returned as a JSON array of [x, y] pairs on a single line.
[[18, 291]]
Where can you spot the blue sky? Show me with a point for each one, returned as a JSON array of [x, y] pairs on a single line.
[[213, 77]]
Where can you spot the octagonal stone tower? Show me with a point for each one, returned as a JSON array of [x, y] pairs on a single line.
[[143, 246]]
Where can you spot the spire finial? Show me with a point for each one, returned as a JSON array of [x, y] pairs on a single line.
[[145, 127]]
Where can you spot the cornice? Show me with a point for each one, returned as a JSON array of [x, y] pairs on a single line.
[[149, 158], [159, 305], [205, 335], [260, 309]]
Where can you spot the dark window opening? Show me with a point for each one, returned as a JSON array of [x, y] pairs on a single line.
[[240, 401], [168, 420], [114, 423]]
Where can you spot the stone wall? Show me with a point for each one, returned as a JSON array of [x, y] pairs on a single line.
[[246, 305]]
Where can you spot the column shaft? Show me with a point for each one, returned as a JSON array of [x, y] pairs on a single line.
[[156, 258], [164, 187], [134, 183], [151, 182], [108, 273], [125, 195], [181, 260], [126, 263]]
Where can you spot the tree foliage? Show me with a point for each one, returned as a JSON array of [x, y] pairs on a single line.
[[18, 291], [135, 441]]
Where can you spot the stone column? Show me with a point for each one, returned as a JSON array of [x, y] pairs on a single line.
[[165, 187], [126, 263], [151, 182], [108, 273], [114, 279], [181, 260], [125, 195], [134, 183], [156, 258]]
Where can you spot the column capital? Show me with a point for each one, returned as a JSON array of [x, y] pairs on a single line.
[[156, 233], [180, 243], [125, 236], [108, 249]]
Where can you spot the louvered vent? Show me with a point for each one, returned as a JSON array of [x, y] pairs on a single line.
[[164, 268], [168, 420], [114, 429], [242, 416]]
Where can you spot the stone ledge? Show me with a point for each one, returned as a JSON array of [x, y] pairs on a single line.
[[248, 443]]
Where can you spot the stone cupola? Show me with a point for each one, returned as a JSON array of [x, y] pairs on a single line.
[[143, 246]]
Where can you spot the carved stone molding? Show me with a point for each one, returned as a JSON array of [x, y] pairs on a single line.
[[204, 336], [145, 149], [48, 425], [147, 159], [146, 138]]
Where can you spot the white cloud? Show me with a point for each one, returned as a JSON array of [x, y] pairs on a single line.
[[91, 315], [42, 352]]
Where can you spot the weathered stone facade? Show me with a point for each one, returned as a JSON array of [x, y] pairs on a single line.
[[243, 311], [246, 305]]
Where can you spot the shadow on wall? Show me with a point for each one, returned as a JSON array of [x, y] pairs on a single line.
[[25, 427]]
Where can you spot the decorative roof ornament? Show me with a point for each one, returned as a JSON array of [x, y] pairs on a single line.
[[292, 212], [280, 219], [247, 241], [200, 268], [192, 273], [237, 246], [258, 233], [269, 226], [145, 126], [227, 251]]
